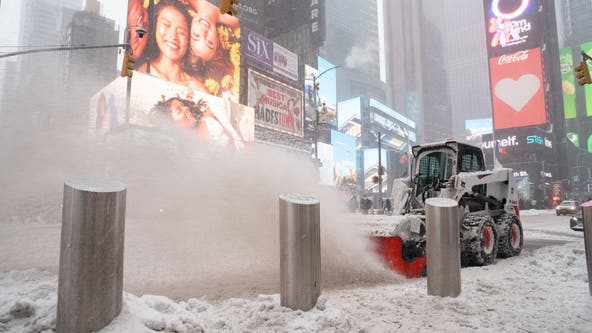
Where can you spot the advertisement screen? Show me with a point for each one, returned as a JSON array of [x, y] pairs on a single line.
[[517, 89], [327, 92], [587, 47], [512, 25], [568, 84], [188, 42], [349, 116], [164, 106], [344, 154], [326, 169], [309, 101], [107, 109], [371, 168], [476, 128], [277, 106]]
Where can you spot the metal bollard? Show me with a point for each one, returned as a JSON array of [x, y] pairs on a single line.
[[443, 247], [300, 251], [587, 215], [90, 284]]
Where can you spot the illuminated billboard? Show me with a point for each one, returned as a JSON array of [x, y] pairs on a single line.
[[189, 43], [326, 170], [327, 92], [309, 101], [107, 109], [371, 169], [476, 128], [587, 47], [277, 106], [165, 106], [344, 154], [568, 84], [512, 25], [517, 89]]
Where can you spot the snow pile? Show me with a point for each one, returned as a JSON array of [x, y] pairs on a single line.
[[542, 291]]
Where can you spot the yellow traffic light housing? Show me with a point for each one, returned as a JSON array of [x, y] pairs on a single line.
[[583, 73], [227, 7], [128, 64]]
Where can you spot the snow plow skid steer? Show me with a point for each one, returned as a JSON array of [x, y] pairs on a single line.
[[487, 202]]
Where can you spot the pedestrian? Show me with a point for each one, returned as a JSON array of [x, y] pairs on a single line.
[[364, 206], [353, 204], [387, 206]]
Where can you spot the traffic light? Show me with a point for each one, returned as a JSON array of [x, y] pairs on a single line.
[[128, 65], [227, 7], [583, 74]]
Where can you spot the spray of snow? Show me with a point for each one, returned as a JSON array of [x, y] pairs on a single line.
[[200, 220]]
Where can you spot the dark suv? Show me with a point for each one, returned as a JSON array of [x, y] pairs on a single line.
[[567, 207]]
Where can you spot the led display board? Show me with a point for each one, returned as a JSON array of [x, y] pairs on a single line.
[[163, 106], [568, 84], [587, 47], [512, 25], [345, 165], [517, 89]]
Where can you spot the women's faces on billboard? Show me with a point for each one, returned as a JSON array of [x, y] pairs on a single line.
[[187, 42], [168, 107]]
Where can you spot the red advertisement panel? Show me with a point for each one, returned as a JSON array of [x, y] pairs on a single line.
[[517, 89]]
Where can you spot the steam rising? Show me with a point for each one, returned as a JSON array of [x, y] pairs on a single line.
[[200, 221]]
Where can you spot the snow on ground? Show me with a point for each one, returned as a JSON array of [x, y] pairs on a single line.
[[536, 212], [542, 291]]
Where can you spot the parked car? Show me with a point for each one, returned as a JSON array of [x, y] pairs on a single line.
[[567, 207], [577, 222]]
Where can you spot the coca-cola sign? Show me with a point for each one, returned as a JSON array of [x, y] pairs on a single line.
[[514, 57]]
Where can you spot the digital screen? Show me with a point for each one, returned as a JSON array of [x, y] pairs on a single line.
[[327, 159], [344, 154], [371, 167], [587, 47], [327, 80], [164, 106], [511, 25], [475, 128], [568, 84], [517, 89], [189, 43]]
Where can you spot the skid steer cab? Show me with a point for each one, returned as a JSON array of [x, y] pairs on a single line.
[[487, 202]]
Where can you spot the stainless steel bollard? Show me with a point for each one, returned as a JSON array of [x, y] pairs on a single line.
[[587, 214], [300, 251], [443, 247], [90, 284]]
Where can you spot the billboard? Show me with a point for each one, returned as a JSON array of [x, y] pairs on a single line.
[[476, 128], [189, 43], [344, 154], [107, 109], [587, 47], [326, 170], [277, 106], [517, 89], [163, 106], [371, 168], [309, 101], [512, 25], [327, 92], [269, 55], [568, 84]]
